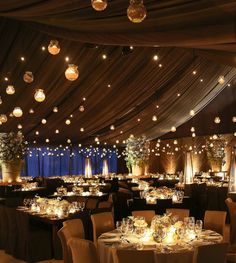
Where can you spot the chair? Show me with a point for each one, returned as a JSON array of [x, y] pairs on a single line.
[[75, 227], [83, 251], [63, 236], [211, 253], [147, 214], [232, 213], [102, 222], [181, 213], [105, 204], [71, 229], [91, 203], [137, 256], [215, 220], [179, 257]]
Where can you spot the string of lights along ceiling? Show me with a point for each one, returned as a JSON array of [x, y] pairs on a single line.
[[170, 77]]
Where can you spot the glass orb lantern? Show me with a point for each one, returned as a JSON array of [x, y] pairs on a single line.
[[53, 47], [99, 5], [39, 95], [3, 118], [10, 90], [136, 11], [17, 112], [28, 77], [81, 108], [72, 72]]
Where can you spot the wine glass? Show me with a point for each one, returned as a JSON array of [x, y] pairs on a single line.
[[198, 227]]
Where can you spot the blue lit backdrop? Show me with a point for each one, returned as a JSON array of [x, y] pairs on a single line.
[[51, 161]]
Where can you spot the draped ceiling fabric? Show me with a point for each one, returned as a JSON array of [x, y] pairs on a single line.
[[186, 35]]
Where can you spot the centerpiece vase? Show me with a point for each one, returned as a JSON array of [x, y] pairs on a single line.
[[11, 171], [138, 170]]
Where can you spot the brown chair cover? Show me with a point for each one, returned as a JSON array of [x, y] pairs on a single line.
[[215, 220], [181, 213], [102, 222], [91, 203], [211, 253], [83, 251], [136, 256], [179, 257], [232, 212], [105, 204], [75, 227], [147, 214]]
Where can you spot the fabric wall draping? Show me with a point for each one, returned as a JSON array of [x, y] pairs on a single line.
[[54, 161], [188, 35]]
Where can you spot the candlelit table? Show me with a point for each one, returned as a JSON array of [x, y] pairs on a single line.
[[110, 241]]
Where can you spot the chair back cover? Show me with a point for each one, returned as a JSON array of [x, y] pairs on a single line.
[[212, 253], [215, 220], [83, 251], [102, 222], [75, 227], [232, 212]]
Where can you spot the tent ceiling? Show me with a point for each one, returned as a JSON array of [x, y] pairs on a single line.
[[188, 36]]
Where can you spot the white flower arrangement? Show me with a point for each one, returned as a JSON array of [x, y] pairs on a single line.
[[136, 151], [12, 146]]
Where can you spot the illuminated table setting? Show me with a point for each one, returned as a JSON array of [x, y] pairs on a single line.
[[164, 235]]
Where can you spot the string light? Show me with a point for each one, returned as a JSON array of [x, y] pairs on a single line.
[[67, 122], [17, 112], [44, 121]]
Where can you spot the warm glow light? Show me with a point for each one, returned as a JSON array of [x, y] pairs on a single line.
[[19, 126], [194, 72], [221, 80], [105, 167], [112, 127], [82, 129], [88, 168], [53, 47], [154, 118], [173, 129], [55, 109], [192, 113], [136, 11], [17, 112], [56, 131], [188, 168], [39, 95], [72, 72], [192, 129], [217, 120], [10, 90], [155, 57], [31, 111], [99, 5], [44, 121], [81, 108], [67, 122], [104, 56], [3, 118], [28, 77], [234, 119]]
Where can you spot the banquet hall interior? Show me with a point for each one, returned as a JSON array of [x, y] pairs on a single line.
[[118, 131]]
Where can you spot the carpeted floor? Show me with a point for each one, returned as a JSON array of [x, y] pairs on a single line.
[[5, 258]]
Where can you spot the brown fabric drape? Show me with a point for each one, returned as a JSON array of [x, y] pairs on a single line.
[[194, 35]]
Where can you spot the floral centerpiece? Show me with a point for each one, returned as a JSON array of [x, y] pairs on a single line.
[[215, 149], [12, 151], [137, 154]]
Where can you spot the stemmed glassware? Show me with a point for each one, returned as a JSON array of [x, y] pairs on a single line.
[[198, 228]]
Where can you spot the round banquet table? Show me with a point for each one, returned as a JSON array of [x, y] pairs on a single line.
[[110, 241]]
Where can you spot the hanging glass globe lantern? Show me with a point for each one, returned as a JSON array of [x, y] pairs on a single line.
[[3, 118], [10, 90], [72, 72], [81, 108], [136, 11], [67, 122], [55, 109], [99, 5], [173, 129], [53, 47], [28, 77], [217, 120], [44, 121], [221, 80], [39, 95], [17, 112]]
